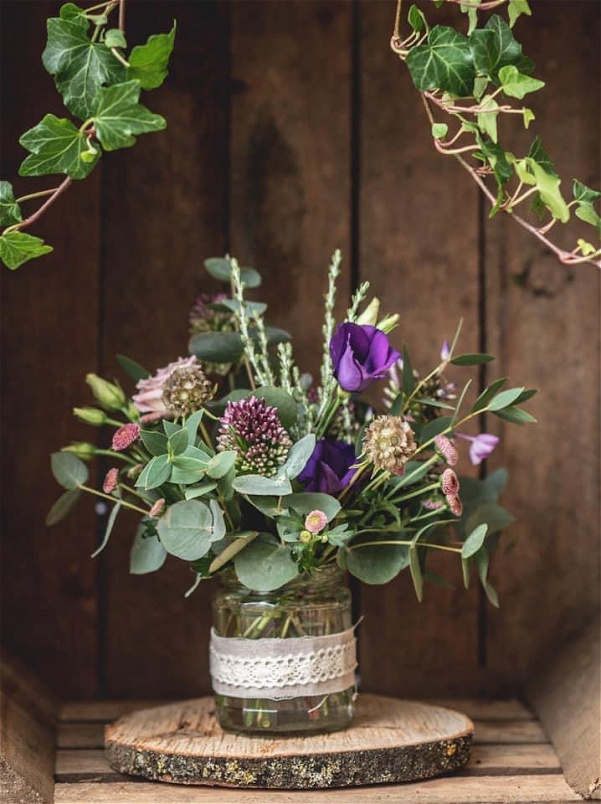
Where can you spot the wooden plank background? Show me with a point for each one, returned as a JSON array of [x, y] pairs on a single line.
[[293, 130]]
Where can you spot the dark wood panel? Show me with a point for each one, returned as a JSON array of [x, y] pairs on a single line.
[[543, 321], [419, 249], [290, 156], [49, 342], [164, 211]]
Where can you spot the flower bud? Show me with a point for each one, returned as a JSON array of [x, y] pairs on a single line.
[[90, 415], [389, 323], [82, 449], [370, 314], [110, 396], [305, 537]]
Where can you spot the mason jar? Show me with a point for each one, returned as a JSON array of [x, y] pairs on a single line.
[[284, 661]]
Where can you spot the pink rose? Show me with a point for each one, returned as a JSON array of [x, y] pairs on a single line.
[[149, 398]]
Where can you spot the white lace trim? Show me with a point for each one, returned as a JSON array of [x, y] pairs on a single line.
[[283, 667]]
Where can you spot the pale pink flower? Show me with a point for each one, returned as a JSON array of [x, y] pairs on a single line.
[[455, 504], [316, 521], [481, 446], [149, 398], [111, 481], [449, 483], [157, 508], [125, 436], [447, 449]]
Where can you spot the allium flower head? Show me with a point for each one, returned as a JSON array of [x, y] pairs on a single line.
[[125, 436], [111, 481], [186, 390], [449, 482], [316, 521], [447, 449], [252, 429], [389, 443], [204, 317], [455, 504]]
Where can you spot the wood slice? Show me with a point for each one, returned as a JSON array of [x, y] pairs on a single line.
[[388, 741]]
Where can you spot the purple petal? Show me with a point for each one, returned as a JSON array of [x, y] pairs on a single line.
[[445, 351], [349, 373]]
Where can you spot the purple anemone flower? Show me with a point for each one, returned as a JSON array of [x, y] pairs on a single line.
[[481, 446], [360, 354], [328, 470]]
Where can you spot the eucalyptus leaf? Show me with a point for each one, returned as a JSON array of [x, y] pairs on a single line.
[[155, 473], [178, 442], [298, 455], [68, 470], [132, 369], [474, 541], [62, 507], [259, 485], [185, 529], [216, 347], [147, 553], [218, 527], [221, 268], [377, 564], [199, 490], [109, 529], [492, 515], [416, 573], [220, 464], [265, 565], [306, 502], [488, 393], [154, 441]]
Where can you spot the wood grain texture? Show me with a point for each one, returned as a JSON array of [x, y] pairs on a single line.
[[543, 323], [156, 235], [419, 248], [27, 733], [290, 155], [49, 340], [388, 741]]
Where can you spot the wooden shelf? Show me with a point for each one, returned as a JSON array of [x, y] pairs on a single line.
[[512, 761]]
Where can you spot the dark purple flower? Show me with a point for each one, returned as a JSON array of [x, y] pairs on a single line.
[[329, 468], [481, 447], [360, 354]]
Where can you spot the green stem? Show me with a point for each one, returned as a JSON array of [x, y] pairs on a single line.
[[438, 370], [112, 454], [416, 493], [408, 544], [112, 499], [40, 194]]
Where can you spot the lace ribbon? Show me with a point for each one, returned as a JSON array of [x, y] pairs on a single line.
[[282, 668]]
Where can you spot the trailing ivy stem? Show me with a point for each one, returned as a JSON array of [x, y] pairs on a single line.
[[119, 57], [122, 15], [513, 202], [40, 211], [40, 194], [113, 499]]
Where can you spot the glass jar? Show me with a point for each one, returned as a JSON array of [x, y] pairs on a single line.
[[315, 604]]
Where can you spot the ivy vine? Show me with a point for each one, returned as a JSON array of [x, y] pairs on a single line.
[[467, 83], [100, 83]]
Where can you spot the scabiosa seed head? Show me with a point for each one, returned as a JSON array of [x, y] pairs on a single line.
[[157, 508], [449, 483], [125, 436], [111, 481], [447, 449], [455, 504], [316, 521], [389, 443], [186, 390], [252, 429]]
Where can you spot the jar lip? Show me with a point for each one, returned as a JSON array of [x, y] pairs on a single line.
[[319, 577]]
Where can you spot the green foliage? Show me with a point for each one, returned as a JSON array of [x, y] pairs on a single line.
[[265, 565], [68, 471], [376, 564], [18, 247], [221, 268], [89, 66], [186, 530], [62, 507], [147, 553], [445, 62]]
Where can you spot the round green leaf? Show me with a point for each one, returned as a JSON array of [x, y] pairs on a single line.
[[265, 565], [216, 347], [185, 530], [221, 268], [147, 553], [281, 400], [62, 506], [377, 564], [312, 501], [68, 470]]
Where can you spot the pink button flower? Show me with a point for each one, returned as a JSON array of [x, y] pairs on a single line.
[[449, 483], [316, 521], [125, 436], [111, 481]]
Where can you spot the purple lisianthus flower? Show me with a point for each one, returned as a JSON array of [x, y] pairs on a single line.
[[328, 470], [360, 354], [481, 447]]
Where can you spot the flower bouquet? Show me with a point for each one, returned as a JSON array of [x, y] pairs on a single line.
[[244, 467]]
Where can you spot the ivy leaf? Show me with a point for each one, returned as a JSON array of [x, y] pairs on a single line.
[[516, 9], [587, 213], [19, 247], [79, 66], [69, 11], [580, 191], [494, 46], [445, 62], [416, 19], [516, 84], [115, 38], [541, 157], [529, 116], [148, 63], [472, 14], [502, 170], [548, 188], [440, 131], [9, 209], [118, 116], [487, 121], [587, 250], [56, 146]]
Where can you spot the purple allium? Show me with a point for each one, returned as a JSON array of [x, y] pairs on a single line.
[[447, 449], [481, 446], [361, 354], [252, 429], [328, 470], [449, 483]]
